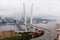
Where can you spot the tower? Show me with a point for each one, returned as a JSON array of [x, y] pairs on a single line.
[[25, 16]]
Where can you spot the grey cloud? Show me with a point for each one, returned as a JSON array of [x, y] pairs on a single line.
[[40, 7]]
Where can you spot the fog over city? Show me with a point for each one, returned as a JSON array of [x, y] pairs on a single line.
[[40, 7], [30, 19]]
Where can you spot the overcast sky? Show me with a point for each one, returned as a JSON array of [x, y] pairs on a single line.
[[40, 7]]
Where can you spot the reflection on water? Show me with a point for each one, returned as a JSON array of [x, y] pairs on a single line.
[[47, 26], [14, 27], [8, 27]]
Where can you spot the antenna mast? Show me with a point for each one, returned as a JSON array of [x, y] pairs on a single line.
[[31, 14], [31, 18], [25, 17]]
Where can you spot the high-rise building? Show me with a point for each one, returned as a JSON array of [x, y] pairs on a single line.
[[57, 30]]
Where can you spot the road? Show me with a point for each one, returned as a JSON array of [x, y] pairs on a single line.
[[48, 34]]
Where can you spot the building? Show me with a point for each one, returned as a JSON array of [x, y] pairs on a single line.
[[1, 35], [57, 30], [5, 34]]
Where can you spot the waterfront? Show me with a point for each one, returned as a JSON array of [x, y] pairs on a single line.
[[47, 35]]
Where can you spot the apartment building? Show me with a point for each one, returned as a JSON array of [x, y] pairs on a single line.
[[57, 30], [5, 34]]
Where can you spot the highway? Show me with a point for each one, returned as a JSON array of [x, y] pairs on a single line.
[[48, 34]]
